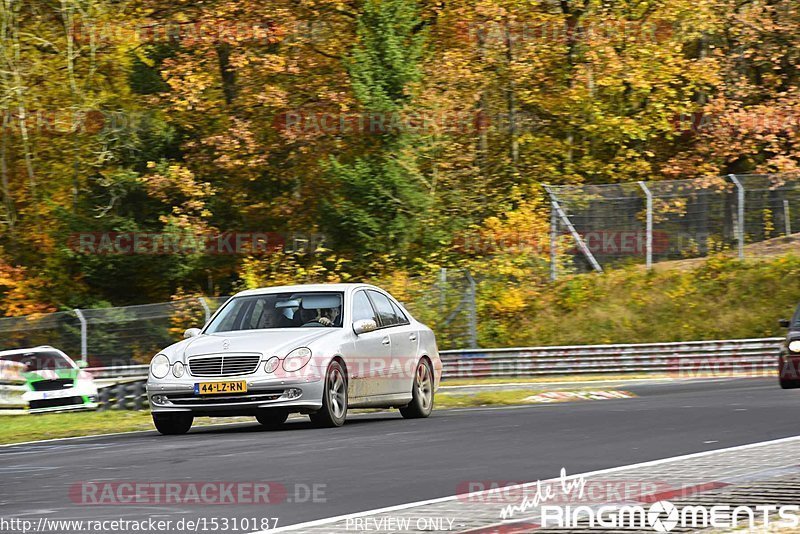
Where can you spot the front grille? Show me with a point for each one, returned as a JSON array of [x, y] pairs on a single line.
[[52, 385], [224, 364], [53, 403]]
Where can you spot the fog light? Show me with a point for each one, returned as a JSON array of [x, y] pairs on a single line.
[[159, 399], [293, 393]]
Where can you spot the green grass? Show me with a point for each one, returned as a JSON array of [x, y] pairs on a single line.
[[554, 378], [508, 397], [484, 398], [580, 379], [18, 428], [21, 428], [719, 298]]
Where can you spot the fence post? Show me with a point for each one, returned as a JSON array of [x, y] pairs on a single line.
[[578, 239], [442, 291], [84, 334], [787, 217], [206, 309], [553, 242], [649, 224], [473, 315], [740, 216]]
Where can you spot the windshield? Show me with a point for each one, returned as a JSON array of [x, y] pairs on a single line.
[[40, 361], [279, 310]]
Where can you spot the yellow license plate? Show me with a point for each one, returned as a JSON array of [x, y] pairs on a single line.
[[215, 388]]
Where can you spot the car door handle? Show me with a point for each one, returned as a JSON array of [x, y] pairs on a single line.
[[385, 341], [413, 337]]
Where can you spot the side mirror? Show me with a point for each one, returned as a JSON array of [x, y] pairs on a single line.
[[191, 332], [785, 323], [82, 364], [362, 326]]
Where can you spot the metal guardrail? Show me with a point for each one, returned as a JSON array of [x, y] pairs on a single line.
[[748, 354], [683, 358], [124, 387], [119, 372], [129, 395]]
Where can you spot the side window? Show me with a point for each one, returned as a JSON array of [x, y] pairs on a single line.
[[362, 308], [384, 308], [401, 317]]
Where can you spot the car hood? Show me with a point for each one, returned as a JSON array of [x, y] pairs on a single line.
[[277, 342], [49, 374]]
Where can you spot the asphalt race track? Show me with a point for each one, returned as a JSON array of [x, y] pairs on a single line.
[[379, 460]]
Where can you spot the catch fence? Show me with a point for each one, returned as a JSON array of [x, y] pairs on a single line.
[[122, 337], [594, 227], [109, 337]]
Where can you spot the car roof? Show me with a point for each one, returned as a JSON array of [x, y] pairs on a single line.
[[304, 287], [40, 348]]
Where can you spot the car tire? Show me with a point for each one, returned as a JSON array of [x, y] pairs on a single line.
[[789, 384], [422, 393], [785, 381], [272, 418], [172, 424], [334, 399]]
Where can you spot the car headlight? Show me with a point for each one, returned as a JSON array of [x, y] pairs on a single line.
[[178, 369], [159, 367], [794, 346], [296, 359], [272, 364]]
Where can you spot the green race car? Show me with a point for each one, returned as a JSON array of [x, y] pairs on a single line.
[[53, 382]]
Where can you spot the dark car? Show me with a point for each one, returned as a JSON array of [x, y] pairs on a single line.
[[789, 362]]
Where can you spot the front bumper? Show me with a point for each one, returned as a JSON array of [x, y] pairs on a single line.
[[789, 365], [177, 395], [85, 405], [80, 397]]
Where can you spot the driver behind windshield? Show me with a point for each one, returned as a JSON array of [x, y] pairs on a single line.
[[327, 316], [319, 316]]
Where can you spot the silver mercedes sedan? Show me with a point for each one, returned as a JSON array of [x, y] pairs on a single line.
[[310, 349]]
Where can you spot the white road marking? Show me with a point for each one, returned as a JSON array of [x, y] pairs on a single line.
[[326, 521]]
